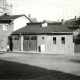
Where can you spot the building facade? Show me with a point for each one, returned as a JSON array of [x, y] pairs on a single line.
[[49, 38], [6, 28]]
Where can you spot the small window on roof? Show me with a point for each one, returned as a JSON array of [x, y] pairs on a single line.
[[44, 24]]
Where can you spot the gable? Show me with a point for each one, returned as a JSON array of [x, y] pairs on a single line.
[[20, 22]]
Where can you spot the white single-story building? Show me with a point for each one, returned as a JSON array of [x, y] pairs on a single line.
[[48, 38]]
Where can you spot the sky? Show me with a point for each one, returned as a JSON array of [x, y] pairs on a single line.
[[52, 10]]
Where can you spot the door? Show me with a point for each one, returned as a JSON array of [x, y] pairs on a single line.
[[33, 43], [10, 43], [26, 43], [30, 43], [16, 43]]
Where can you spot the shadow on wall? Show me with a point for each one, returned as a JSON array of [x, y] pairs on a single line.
[[76, 61], [18, 71], [77, 48], [10, 42]]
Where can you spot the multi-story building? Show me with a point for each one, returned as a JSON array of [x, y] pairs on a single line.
[[8, 23], [6, 28]]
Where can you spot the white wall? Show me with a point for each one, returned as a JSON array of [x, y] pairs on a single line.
[[67, 48], [58, 48], [20, 22]]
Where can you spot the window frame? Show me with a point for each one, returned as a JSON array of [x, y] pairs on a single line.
[[5, 27], [26, 38], [16, 38], [42, 38], [33, 37], [63, 40], [54, 40]]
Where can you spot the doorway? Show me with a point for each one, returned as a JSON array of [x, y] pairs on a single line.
[[30, 43]]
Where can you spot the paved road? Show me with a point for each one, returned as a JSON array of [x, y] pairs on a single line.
[[64, 63]]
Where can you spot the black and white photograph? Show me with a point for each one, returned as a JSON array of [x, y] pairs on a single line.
[[39, 40]]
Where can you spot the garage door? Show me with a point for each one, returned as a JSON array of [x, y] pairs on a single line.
[[16, 43], [30, 43]]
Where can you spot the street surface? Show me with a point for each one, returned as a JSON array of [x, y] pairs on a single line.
[[40, 66]]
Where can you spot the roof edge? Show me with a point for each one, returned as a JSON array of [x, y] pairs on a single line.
[[56, 33]]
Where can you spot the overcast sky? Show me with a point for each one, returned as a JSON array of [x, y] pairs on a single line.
[[47, 9]]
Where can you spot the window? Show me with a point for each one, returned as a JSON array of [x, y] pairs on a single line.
[[54, 40], [16, 38], [26, 38], [34, 38], [43, 38], [5, 27], [63, 40], [44, 24]]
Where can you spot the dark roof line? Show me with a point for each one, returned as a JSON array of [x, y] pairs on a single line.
[[28, 18], [59, 23], [12, 17], [54, 33]]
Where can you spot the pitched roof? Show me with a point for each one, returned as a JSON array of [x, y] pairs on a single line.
[[35, 28], [33, 19], [8, 17], [12, 17], [73, 23]]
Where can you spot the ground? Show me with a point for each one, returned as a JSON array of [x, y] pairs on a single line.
[[24, 66]]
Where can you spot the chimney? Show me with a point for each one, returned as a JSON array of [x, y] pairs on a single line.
[[11, 10], [75, 17], [29, 16], [62, 20]]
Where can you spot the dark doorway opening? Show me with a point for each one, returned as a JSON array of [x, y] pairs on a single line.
[[10, 43]]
